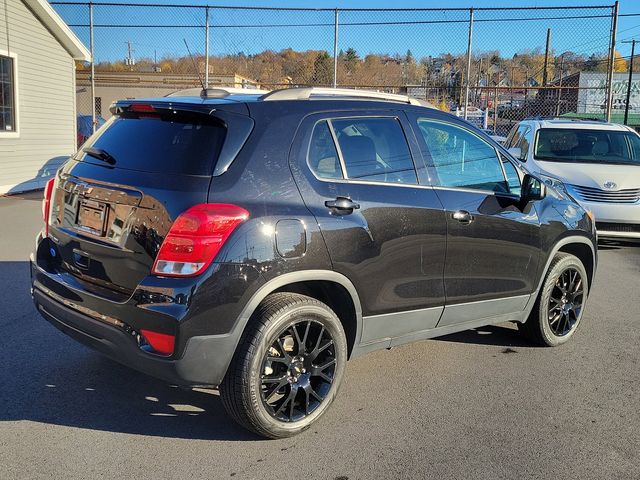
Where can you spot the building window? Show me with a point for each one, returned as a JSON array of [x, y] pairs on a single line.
[[7, 95], [98, 103]]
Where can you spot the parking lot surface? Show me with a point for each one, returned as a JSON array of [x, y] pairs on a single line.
[[479, 404]]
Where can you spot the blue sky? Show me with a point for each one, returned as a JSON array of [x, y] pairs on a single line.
[[436, 31]]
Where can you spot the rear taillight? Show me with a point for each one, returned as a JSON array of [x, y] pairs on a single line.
[[196, 237], [46, 205], [160, 343]]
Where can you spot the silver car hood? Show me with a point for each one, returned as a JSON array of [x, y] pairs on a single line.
[[593, 174]]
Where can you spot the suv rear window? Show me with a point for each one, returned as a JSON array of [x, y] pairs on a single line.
[[175, 143]]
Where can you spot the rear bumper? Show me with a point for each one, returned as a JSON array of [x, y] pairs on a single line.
[[204, 360], [200, 312]]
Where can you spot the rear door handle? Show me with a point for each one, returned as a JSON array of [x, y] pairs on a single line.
[[342, 205], [462, 216]]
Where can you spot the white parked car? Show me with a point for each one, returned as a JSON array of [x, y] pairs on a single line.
[[597, 163]]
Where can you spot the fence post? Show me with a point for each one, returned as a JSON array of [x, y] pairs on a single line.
[[545, 70], [468, 72], [626, 103], [93, 71], [335, 50], [495, 111], [206, 47], [612, 56]]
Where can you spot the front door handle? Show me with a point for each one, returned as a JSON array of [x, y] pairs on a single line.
[[463, 217], [342, 205]]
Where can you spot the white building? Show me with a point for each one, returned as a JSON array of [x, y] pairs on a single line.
[[37, 93]]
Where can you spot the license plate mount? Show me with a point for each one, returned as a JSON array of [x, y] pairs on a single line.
[[92, 216]]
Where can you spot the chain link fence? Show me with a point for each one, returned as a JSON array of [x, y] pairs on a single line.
[[508, 63]]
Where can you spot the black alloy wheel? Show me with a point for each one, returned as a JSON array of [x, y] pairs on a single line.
[[287, 369], [559, 307], [297, 371], [565, 302]]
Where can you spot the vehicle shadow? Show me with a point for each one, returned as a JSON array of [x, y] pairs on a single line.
[[40, 178], [48, 377], [497, 335]]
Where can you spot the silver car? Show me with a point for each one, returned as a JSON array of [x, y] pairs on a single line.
[[597, 163]]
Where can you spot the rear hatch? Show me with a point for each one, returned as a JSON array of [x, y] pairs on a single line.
[[115, 200]]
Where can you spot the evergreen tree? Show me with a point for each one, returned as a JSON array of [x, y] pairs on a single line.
[[322, 70]]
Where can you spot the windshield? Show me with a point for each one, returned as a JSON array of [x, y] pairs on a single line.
[[176, 143], [587, 146]]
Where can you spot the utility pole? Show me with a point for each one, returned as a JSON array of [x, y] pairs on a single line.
[[129, 61], [626, 105], [545, 71]]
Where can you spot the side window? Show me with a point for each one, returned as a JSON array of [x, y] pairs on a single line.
[[513, 137], [513, 179], [7, 95], [375, 149], [634, 140], [323, 156], [525, 140], [461, 159]]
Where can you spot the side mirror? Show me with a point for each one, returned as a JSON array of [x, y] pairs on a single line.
[[532, 189], [516, 152]]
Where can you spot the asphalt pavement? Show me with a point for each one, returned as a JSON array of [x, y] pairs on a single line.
[[479, 404]]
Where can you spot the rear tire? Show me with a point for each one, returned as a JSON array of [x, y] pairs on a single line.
[[287, 368], [560, 304]]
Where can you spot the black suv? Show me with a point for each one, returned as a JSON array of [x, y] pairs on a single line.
[[255, 243]]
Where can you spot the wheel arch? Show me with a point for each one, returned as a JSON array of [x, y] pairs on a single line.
[[586, 255], [329, 287], [578, 245]]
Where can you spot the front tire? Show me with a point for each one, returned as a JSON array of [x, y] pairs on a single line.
[[560, 304], [287, 368]]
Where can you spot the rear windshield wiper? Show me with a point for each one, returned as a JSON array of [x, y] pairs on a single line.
[[100, 154]]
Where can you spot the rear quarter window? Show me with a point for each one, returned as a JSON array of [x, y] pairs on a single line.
[[168, 143]]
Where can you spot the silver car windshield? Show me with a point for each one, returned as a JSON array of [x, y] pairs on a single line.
[[587, 146]]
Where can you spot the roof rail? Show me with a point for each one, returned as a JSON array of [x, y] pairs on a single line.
[[217, 92], [305, 93]]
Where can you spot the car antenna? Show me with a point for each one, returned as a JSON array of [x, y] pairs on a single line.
[[204, 89]]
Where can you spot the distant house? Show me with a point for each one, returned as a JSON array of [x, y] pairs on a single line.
[[37, 93], [532, 82]]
